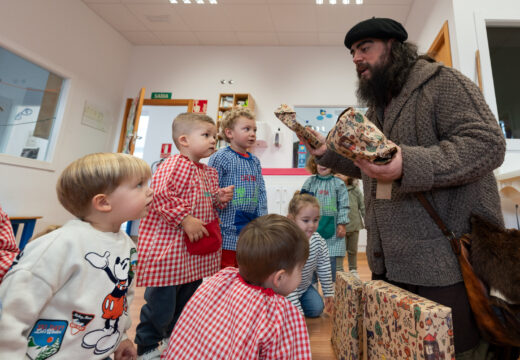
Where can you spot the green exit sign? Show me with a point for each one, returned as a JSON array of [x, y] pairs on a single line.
[[161, 95]]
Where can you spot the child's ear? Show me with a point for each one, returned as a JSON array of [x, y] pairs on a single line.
[[183, 140], [290, 217], [229, 133], [100, 203], [278, 278]]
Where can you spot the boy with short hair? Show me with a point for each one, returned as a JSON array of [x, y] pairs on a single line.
[[186, 195], [67, 294], [243, 313], [238, 167]]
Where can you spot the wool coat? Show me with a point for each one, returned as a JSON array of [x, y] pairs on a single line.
[[451, 143]]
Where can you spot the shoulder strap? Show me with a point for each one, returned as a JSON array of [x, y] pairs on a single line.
[[455, 245]]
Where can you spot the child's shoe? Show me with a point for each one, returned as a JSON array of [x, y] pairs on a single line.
[[354, 272], [154, 354]]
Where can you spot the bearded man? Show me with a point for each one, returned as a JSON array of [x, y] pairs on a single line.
[[449, 143]]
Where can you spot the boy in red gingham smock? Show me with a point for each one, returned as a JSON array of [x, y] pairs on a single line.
[[243, 313], [8, 247], [186, 195]]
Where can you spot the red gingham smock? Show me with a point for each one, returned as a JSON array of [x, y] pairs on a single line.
[[181, 187], [8, 247], [227, 318]]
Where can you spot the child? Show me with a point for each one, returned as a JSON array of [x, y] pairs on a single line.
[[236, 166], [355, 215], [333, 198], [67, 295], [8, 247], [186, 194], [242, 313], [304, 210]]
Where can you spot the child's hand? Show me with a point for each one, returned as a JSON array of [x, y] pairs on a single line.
[[329, 305], [194, 228], [341, 231], [125, 351], [225, 194]]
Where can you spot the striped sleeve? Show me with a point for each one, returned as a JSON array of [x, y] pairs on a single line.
[[323, 265]]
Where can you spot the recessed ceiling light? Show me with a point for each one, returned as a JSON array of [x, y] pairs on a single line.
[[346, 2], [173, 1], [319, 2], [186, 1], [212, 1], [359, 2], [332, 2], [199, 1]]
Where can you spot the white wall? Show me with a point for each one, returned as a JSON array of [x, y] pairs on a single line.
[[69, 39], [426, 19], [272, 75]]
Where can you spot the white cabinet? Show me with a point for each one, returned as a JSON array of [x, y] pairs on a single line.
[[280, 190]]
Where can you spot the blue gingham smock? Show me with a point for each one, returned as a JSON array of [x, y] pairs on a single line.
[[249, 195], [332, 195]]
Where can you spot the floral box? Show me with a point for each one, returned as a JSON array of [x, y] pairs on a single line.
[[401, 325], [347, 324]]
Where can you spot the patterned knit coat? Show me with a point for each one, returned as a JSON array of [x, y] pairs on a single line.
[[451, 143]]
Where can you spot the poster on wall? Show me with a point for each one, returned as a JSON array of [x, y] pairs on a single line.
[[319, 118]]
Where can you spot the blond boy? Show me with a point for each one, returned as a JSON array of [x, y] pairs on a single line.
[[186, 196], [67, 295], [238, 167]]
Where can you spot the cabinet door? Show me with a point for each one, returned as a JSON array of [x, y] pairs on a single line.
[[280, 190]]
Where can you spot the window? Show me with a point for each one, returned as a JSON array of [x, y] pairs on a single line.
[[29, 101], [504, 50]]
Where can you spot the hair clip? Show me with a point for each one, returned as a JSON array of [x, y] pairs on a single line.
[[303, 191]]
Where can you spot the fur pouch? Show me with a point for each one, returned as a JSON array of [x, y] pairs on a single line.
[[495, 256]]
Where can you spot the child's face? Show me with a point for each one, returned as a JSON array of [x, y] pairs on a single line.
[[308, 219], [201, 141], [243, 135], [322, 170], [131, 200], [290, 281]]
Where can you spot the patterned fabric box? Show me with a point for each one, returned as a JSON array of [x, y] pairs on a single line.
[[347, 324], [402, 325]]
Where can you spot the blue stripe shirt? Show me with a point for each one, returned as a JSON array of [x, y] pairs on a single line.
[[249, 195]]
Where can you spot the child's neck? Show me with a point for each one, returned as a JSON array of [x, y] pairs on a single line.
[[102, 222], [238, 149], [189, 155]]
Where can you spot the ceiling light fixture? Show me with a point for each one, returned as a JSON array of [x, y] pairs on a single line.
[[186, 1], [359, 2], [199, 1], [213, 2], [319, 2], [346, 2], [173, 1], [332, 2]]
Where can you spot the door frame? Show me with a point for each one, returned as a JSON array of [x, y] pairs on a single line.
[[149, 102]]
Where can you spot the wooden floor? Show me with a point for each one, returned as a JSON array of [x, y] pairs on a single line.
[[319, 328]]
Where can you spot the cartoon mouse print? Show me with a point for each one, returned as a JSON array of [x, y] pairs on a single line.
[[114, 304]]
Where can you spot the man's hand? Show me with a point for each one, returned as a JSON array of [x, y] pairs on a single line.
[[329, 305], [194, 228], [125, 351], [315, 152], [341, 230], [387, 172], [224, 195]]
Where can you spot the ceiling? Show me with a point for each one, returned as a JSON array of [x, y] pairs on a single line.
[[241, 22]]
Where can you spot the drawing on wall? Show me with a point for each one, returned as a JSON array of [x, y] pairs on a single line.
[[320, 118]]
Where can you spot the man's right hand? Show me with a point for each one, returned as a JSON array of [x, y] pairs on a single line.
[[194, 228], [315, 152]]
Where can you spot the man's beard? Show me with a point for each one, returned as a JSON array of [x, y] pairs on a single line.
[[387, 78]]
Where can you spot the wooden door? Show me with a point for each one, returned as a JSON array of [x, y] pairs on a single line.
[[440, 49]]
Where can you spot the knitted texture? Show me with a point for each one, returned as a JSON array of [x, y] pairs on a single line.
[[451, 143]]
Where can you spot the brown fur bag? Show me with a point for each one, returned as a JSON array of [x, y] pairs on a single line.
[[495, 257]]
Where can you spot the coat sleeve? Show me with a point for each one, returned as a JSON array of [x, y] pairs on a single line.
[[469, 141], [339, 164]]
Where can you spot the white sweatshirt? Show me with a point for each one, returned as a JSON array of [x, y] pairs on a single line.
[[68, 294]]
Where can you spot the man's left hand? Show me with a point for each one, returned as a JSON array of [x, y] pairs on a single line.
[[387, 172]]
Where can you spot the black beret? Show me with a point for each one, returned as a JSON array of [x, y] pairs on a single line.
[[379, 28]]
